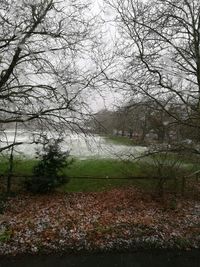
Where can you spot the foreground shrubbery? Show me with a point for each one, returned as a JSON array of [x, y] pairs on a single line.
[[48, 172]]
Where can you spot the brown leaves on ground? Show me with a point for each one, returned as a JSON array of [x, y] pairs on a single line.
[[116, 219]]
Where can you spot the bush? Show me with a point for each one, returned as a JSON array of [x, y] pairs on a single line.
[[164, 166], [48, 173]]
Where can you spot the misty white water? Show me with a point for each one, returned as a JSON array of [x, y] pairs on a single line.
[[80, 145]]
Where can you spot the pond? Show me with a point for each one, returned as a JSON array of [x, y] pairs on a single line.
[[135, 259], [80, 145]]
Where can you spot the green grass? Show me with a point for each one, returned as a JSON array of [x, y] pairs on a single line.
[[21, 166], [94, 168], [92, 185], [109, 169], [101, 168]]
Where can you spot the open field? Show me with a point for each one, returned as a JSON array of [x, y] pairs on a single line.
[[100, 174], [101, 166]]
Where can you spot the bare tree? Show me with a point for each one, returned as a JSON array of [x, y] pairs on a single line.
[[159, 48], [42, 81]]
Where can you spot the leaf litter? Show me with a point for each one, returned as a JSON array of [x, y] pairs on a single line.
[[119, 219]]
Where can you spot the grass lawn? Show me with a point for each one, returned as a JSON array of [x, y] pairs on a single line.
[[101, 168], [93, 170], [107, 169], [22, 167]]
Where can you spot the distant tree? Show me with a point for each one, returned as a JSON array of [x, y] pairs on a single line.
[[102, 122]]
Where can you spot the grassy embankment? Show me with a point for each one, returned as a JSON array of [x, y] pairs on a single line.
[[93, 170], [108, 169]]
